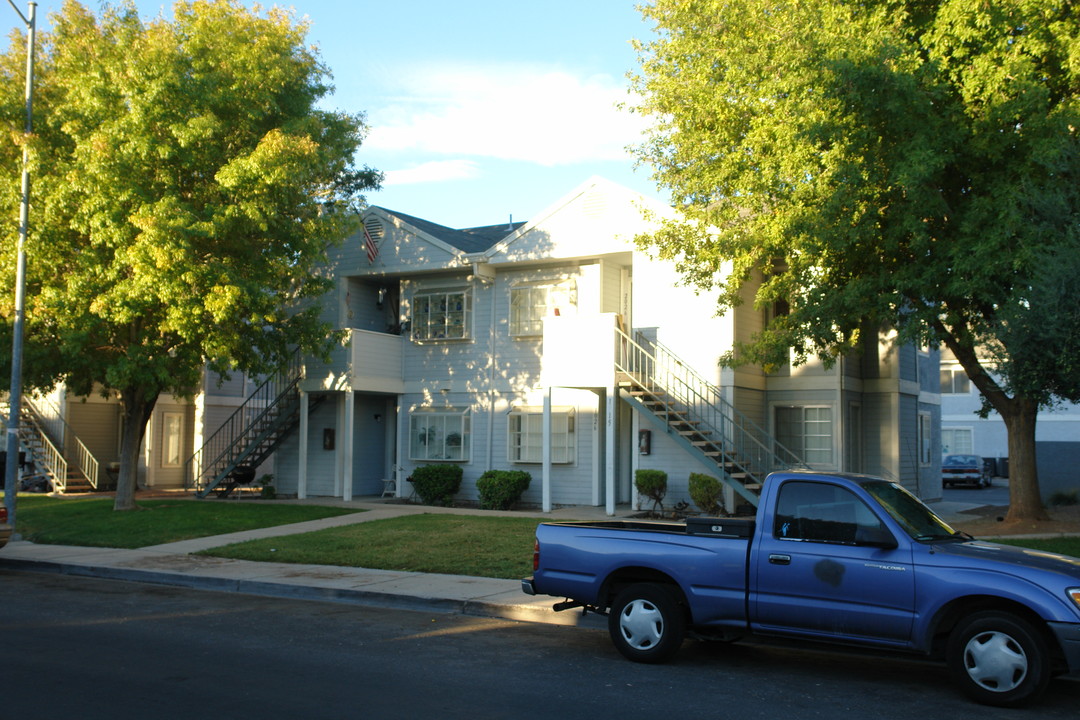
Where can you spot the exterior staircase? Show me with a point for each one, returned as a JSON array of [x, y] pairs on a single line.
[[695, 414], [42, 437], [250, 435]]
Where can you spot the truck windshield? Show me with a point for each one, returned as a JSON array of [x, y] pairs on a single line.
[[918, 521]]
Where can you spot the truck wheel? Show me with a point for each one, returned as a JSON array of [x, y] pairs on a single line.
[[646, 623], [999, 659]]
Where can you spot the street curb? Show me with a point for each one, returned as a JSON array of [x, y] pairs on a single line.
[[290, 591]]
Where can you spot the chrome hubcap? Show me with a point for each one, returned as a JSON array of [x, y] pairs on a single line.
[[641, 624], [995, 661]]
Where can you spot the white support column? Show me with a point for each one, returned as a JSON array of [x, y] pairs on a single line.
[[609, 452], [346, 446], [301, 483], [600, 454], [546, 456]]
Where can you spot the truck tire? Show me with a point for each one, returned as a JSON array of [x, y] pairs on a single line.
[[646, 623], [999, 659]]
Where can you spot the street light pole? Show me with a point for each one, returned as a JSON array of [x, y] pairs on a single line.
[[11, 474]]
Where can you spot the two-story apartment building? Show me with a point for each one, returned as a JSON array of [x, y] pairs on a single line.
[[559, 347], [555, 346]]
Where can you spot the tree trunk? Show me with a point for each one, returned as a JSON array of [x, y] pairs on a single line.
[[1025, 500], [136, 411]]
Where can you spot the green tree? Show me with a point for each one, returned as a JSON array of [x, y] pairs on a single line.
[[186, 185], [905, 164]]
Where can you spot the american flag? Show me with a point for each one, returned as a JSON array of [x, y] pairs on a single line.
[[371, 247]]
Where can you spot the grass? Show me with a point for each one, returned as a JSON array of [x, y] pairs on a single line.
[[1061, 545], [93, 522], [496, 547]]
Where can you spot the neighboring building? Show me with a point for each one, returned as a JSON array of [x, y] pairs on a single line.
[[471, 346], [1057, 432], [76, 441]]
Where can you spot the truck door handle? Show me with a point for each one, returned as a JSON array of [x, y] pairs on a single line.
[[777, 559]]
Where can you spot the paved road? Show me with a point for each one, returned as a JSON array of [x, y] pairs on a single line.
[[93, 649], [997, 494]]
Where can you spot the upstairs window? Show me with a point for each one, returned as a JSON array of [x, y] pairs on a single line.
[[530, 304], [526, 442], [440, 315], [954, 381]]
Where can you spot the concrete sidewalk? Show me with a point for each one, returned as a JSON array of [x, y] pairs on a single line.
[[173, 564]]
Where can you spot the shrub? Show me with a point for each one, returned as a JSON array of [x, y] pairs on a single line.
[[653, 485], [267, 491], [501, 489], [705, 491], [437, 484], [1063, 498]]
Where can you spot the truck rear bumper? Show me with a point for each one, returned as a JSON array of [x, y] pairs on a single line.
[[527, 586], [1068, 637]]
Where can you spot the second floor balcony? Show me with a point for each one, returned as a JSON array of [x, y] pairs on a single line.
[[365, 361]]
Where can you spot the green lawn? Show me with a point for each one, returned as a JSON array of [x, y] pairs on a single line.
[[93, 522], [497, 547], [1061, 545]]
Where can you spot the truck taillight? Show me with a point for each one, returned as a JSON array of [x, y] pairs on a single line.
[[536, 555]]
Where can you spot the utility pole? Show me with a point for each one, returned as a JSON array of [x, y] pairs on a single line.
[[11, 475]]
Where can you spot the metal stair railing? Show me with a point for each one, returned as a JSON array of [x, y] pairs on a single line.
[[59, 430], [45, 454], [251, 433], [694, 409]]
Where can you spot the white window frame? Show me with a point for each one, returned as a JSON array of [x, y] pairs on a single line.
[[530, 303], [441, 315], [442, 434], [925, 439], [525, 436], [950, 436], [956, 373], [172, 439], [823, 450]]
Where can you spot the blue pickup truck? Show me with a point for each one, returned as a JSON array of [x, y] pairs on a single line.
[[836, 558]]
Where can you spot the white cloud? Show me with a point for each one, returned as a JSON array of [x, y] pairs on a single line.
[[517, 112], [436, 171]]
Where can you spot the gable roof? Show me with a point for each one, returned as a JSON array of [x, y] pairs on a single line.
[[468, 240], [596, 188]]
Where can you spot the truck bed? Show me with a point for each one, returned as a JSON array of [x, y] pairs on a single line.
[[708, 526]]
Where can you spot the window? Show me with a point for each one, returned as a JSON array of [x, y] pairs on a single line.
[[526, 442], [954, 381], [807, 432], [441, 315], [957, 441], [443, 434], [173, 436], [854, 428], [925, 442], [530, 304], [819, 512]]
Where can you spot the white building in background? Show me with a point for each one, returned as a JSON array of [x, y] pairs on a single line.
[[1057, 432]]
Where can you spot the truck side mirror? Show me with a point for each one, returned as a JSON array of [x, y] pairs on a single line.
[[875, 537]]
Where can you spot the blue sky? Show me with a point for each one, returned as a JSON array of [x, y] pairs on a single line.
[[479, 109]]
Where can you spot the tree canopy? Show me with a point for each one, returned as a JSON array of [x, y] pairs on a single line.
[[909, 163], [186, 184]]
